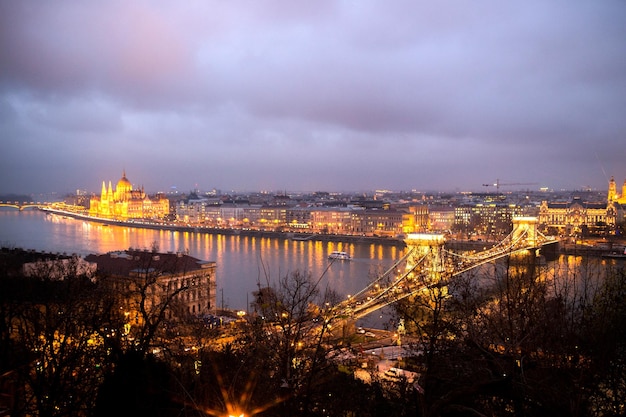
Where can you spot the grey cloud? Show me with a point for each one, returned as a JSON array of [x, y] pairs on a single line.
[[343, 94], [79, 114]]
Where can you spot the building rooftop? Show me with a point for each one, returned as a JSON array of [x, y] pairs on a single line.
[[131, 261]]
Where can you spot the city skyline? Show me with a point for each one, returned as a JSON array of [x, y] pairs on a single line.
[[333, 96]]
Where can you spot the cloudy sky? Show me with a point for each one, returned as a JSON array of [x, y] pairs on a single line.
[[303, 96]]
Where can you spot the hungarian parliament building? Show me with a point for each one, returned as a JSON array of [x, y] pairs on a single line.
[[124, 202]]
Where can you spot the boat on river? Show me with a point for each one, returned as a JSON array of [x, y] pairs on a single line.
[[342, 256]]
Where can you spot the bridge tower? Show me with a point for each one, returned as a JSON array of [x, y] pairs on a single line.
[[427, 251], [526, 228]]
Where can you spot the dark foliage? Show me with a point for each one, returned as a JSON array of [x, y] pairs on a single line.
[[519, 344], [139, 386]]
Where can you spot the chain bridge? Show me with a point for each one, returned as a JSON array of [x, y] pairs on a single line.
[[427, 263]]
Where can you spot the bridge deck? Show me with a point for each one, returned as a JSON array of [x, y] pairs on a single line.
[[429, 264]]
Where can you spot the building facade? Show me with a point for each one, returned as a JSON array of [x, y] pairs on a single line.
[[185, 283], [577, 217], [614, 195], [123, 202], [440, 218], [583, 217], [490, 220]]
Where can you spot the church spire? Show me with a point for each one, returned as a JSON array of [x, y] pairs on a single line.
[[103, 193], [612, 190]]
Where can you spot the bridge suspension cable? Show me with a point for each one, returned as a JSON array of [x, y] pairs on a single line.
[[385, 274], [436, 268], [362, 298], [385, 291], [505, 246]]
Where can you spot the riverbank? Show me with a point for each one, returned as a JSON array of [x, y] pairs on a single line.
[[296, 236], [598, 248], [593, 250]]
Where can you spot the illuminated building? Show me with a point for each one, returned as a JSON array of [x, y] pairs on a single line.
[[184, 282], [299, 217], [440, 218], [582, 217], [418, 219], [488, 219], [124, 202], [379, 222], [614, 196], [332, 220]]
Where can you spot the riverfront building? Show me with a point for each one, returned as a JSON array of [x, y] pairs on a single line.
[[491, 220], [440, 219], [467, 215], [352, 219], [185, 283], [578, 217], [124, 202], [613, 194]]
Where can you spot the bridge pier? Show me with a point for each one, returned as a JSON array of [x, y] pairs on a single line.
[[348, 327], [525, 226], [429, 246]]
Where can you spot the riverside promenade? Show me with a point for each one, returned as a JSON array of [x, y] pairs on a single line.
[[178, 227]]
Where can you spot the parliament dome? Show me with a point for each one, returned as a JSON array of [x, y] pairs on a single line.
[[123, 184]]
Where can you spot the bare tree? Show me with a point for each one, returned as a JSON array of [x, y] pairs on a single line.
[[56, 334], [294, 326], [606, 346]]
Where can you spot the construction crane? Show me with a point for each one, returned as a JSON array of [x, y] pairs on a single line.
[[498, 184]]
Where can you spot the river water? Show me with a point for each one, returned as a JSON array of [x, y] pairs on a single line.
[[242, 261]]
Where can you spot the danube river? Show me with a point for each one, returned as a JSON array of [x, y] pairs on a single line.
[[242, 262]]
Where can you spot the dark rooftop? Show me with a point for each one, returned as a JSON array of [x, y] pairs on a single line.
[[125, 262]]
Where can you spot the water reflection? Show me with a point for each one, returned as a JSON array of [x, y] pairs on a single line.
[[245, 262], [242, 261]]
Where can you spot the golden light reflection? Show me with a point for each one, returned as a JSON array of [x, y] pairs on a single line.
[[379, 252]]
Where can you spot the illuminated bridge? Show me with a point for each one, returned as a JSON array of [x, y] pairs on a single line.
[[428, 264], [22, 205]]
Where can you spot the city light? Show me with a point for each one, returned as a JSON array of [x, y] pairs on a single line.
[[426, 271]]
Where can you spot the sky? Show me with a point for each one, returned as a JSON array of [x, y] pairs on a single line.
[[312, 96]]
